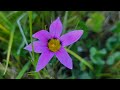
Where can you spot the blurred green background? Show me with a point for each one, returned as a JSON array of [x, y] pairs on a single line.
[[99, 46]]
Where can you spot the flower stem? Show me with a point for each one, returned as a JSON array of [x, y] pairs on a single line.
[[80, 58]]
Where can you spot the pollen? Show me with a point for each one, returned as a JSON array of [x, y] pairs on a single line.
[[54, 45]]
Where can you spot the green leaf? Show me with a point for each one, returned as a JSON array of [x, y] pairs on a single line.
[[85, 75], [24, 69], [113, 42], [5, 21], [112, 58], [93, 50], [80, 59], [82, 67], [30, 25], [116, 28], [65, 21], [95, 22], [4, 29], [83, 26], [103, 51], [97, 56], [9, 49]]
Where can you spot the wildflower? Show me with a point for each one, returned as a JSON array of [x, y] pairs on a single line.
[[50, 44]]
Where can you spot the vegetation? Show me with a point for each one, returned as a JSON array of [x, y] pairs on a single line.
[[95, 56]]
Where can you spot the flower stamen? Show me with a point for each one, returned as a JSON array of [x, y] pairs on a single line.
[[54, 45]]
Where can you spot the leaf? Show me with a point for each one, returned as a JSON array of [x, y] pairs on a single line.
[[83, 26], [5, 21], [93, 50], [80, 59], [4, 29], [85, 75], [9, 49], [112, 58], [65, 21], [116, 28], [113, 42], [24, 69], [30, 25], [3, 39], [95, 22], [97, 56]]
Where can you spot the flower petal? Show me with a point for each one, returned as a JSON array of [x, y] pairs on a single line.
[[71, 37], [44, 59], [37, 45], [56, 28], [64, 58], [42, 35]]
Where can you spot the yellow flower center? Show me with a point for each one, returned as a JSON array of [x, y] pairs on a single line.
[[54, 45]]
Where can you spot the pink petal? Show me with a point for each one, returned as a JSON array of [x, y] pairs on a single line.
[[44, 59], [42, 35], [56, 28], [64, 58], [37, 45], [71, 37]]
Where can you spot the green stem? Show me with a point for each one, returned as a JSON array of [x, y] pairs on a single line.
[[65, 21], [80, 59], [9, 49], [23, 35], [30, 22], [74, 29]]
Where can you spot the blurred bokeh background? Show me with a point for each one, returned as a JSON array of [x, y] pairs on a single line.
[[99, 46]]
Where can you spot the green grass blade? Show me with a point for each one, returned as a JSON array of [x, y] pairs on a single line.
[[3, 39], [80, 59], [65, 21], [24, 38], [9, 50], [74, 29], [30, 22], [21, 31], [4, 19], [24, 69], [4, 29]]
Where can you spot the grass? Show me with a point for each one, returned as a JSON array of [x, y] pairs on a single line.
[[80, 59], [30, 22], [24, 69], [9, 49]]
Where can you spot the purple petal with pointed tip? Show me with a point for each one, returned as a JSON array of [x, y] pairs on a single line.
[[64, 58], [44, 59], [42, 35], [37, 45], [71, 37], [56, 28]]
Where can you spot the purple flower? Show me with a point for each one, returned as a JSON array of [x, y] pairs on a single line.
[[50, 44]]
